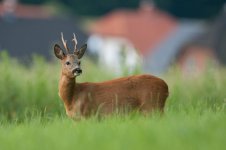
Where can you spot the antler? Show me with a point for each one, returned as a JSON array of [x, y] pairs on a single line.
[[75, 43], [64, 42]]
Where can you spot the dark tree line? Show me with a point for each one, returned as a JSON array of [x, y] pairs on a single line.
[[90, 7], [191, 8], [179, 8]]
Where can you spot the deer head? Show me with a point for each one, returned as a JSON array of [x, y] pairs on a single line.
[[70, 62]]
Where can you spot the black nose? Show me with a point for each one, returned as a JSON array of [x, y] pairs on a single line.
[[77, 70]]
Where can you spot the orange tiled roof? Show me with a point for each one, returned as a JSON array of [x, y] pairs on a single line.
[[145, 28]]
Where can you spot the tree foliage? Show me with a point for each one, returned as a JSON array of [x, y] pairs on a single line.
[[98, 7], [179, 8], [33, 1], [191, 8], [90, 7]]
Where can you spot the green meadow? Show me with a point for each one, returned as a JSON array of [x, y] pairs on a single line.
[[32, 115]]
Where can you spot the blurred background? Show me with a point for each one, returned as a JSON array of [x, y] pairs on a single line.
[[182, 41], [151, 35]]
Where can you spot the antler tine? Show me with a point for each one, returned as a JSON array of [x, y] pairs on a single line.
[[64, 42], [75, 42]]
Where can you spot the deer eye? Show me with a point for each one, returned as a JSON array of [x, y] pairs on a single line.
[[68, 63]]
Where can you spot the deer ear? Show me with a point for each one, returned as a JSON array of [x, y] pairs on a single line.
[[58, 52], [82, 51]]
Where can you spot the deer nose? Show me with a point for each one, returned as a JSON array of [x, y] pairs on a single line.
[[77, 70]]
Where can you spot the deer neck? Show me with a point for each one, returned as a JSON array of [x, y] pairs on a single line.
[[66, 88]]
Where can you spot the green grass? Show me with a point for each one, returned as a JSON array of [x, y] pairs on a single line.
[[172, 131], [32, 115]]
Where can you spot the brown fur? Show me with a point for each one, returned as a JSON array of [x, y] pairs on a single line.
[[140, 92]]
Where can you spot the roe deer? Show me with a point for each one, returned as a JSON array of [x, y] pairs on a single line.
[[144, 93]]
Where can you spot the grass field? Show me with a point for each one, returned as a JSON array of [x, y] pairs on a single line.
[[32, 115]]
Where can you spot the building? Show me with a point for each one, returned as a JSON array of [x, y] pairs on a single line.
[[31, 29], [158, 38], [134, 31]]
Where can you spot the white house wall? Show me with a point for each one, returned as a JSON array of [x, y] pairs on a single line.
[[114, 53]]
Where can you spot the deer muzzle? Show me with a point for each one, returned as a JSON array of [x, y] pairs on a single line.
[[77, 71]]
